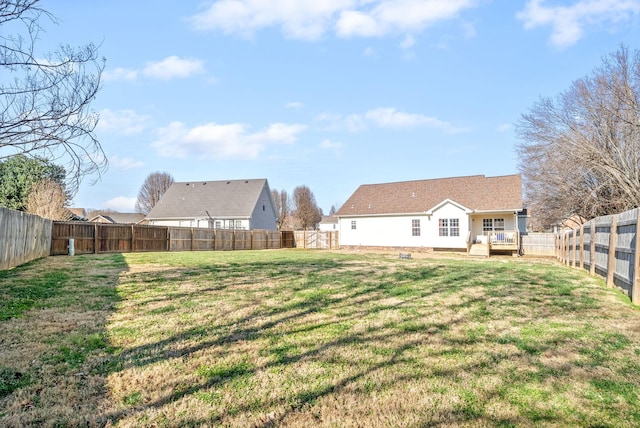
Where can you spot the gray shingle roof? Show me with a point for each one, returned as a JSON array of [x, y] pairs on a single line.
[[224, 198], [475, 192]]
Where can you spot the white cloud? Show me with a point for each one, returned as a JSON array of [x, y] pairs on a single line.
[[294, 105], [310, 20], [120, 74], [408, 42], [125, 122], [387, 118], [125, 163], [215, 141], [370, 52], [173, 67], [505, 127], [169, 68], [332, 146], [569, 23], [121, 204]]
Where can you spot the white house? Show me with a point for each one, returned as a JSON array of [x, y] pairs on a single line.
[[328, 224], [225, 204], [445, 213]]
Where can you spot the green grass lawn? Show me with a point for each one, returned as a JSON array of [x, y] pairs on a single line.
[[314, 338]]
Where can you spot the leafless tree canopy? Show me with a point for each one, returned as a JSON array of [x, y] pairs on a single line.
[[307, 211], [47, 199], [155, 185], [45, 97], [283, 206], [580, 152]]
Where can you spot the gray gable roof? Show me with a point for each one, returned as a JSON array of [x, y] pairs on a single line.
[[218, 199]]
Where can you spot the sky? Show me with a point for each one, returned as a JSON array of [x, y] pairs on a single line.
[[329, 94]]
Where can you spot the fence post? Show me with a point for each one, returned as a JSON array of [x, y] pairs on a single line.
[[574, 262], [635, 290], [592, 248], [95, 238], [613, 241], [582, 246], [133, 239]]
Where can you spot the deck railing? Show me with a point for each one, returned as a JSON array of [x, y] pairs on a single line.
[[507, 239]]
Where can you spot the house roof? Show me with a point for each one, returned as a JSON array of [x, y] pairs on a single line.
[[119, 218], [475, 192], [217, 199], [330, 219], [79, 213]]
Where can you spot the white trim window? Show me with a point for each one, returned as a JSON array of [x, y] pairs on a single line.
[[492, 224], [415, 227], [449, 227]]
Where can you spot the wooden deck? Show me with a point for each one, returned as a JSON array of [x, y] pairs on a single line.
[[497, 241]]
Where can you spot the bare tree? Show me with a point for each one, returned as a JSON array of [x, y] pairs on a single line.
[[283, 206], [580, 152], [47, 199], [154, 186], [307, 211], [45, 97]]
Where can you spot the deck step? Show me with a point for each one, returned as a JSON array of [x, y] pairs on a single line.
[[479, 250]]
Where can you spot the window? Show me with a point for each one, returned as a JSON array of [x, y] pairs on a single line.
[[353, 225], [415, 227], [238, 224], [449, 227], [218, 225], [444, 226], [491, 224], [454, 227]]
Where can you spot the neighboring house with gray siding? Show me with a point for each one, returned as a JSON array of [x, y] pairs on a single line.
[[223, 204]]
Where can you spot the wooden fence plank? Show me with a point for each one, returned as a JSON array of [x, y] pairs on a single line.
[[23, 237]]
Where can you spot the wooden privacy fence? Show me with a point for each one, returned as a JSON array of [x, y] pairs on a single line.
[[607, 246], [24, 237], [96, 238], [539, 244], [194, 239], [316, 239]]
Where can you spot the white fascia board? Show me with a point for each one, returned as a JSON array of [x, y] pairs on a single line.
[[421, 213], [452, 202], [510, 210]]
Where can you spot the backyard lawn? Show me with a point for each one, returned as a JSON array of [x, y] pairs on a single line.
[[314, 338]]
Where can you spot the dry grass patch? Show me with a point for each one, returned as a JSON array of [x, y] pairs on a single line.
[[297, 338]]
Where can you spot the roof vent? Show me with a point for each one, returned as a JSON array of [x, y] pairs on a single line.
[[187, 184], [204, 184], [246, 181], [228, 182]]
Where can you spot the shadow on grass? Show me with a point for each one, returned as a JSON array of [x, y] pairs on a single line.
[[450, 314], [53, 316]]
